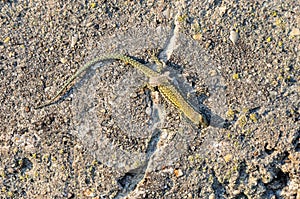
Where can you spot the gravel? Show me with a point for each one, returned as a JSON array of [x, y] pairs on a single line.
[[250, 49]]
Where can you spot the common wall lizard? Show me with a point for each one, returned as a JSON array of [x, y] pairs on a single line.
[[165, 87]]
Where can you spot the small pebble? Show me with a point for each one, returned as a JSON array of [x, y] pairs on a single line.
[[213, 73], [236, 192], [212, 196], [227, 157], [222, 10], [10, 170], [178, 173], [103, 110], [74, 40], [93, 5], [7, 39], [197, 36], [63, 60], [234, 36], [27, 109], [235, 76], [295, 32], [148, 111], [89, 193]]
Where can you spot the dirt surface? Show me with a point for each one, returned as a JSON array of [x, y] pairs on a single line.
[[240, 59]]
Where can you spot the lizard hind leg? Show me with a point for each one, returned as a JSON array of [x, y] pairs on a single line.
[[149, 86]]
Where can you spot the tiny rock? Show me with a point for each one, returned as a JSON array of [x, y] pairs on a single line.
[[74, 41], [227, 157], [222, 10], [295, 32], [234, 36], [89, 193], [197, 36], [178, 173], [63, 60]]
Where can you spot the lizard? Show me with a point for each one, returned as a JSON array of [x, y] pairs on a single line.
[[163, 84]]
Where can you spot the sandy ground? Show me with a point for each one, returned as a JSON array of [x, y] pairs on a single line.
[[102, 141]]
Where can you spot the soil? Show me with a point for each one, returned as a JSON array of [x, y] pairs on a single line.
[[239, 59]]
